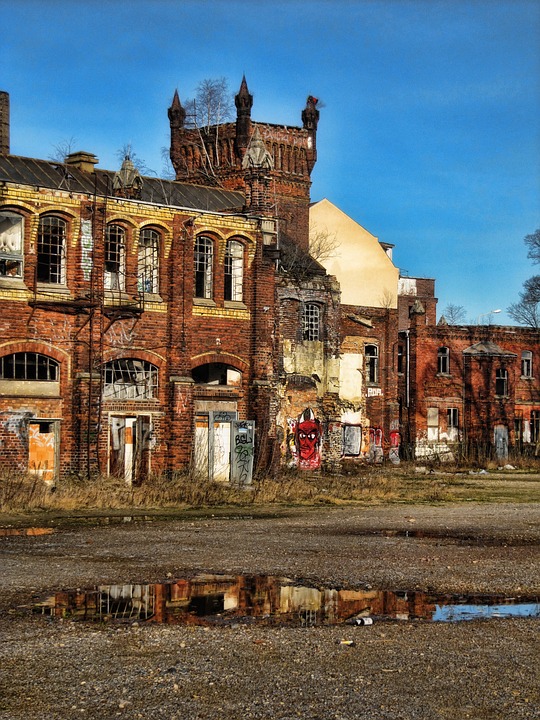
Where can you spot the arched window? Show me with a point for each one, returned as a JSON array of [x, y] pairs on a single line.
[[526, 364], [115, 245], [204, 261], [311, 321], [443, 360], [51, 250], [234, 271], [501, 382], [29, 366], [216, 374], [148, 265], [11, 245], [130, 379], [372, 363]]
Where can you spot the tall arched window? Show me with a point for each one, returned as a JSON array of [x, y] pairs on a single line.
[[443, 360], [372, 363], [148, 261], [11, 245], [115, 245], [234, 271], [204, 261], [51, 250], [311, 321]]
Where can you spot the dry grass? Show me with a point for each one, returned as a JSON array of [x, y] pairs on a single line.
[[360, 485]]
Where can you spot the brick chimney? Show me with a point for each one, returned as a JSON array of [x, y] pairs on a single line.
[[4, 123]]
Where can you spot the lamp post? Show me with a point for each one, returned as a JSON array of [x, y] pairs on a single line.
[[488, 314]]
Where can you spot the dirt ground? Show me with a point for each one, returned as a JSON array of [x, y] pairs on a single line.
[[60, 669]]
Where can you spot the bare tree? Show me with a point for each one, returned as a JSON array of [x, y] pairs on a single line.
[[455, 314], [527, 310], [322, 243], [62, 150], [212, 104], [533, 242]]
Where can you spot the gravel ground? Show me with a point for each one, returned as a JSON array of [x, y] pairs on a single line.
[[59, 669]]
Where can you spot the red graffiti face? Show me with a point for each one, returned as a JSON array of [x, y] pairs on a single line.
[[308, 434]]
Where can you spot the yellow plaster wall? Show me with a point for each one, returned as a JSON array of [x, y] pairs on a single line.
[[365, 272]]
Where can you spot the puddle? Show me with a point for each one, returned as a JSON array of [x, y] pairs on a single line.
[[30, 532], [460, 538], [225, 599]]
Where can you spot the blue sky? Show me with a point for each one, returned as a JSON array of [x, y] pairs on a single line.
[[429, 136]]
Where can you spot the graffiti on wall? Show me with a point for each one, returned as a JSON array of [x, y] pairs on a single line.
[[305, 440]]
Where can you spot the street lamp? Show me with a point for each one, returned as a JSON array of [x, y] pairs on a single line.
[[488, 314]]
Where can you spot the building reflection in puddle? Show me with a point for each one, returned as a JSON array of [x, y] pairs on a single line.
[[210, 599]]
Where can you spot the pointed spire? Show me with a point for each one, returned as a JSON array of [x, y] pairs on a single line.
[[176, 112], [127, 182], [243, 100], [310, 114], [257, 156]]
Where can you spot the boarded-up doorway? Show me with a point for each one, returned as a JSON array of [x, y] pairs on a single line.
[[129, 454], [42, 449]]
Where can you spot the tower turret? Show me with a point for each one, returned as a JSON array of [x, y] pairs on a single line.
[[310, 120], [176, 113], [244, 102]]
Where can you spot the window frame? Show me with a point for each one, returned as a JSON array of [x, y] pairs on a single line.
[[527, 364], [501, 382], [371, 360], [48, 271], [443, 360], [203, 267], [148, 261], [26, 360], [122, 379], [115, 255], [233, 272], [7, 255], [311, 321]]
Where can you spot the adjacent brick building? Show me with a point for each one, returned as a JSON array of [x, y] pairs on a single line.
[[471, 390]]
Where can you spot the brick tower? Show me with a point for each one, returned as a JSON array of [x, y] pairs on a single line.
[[215, 156]]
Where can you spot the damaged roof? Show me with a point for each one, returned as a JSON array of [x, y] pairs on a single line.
[[62, 176]]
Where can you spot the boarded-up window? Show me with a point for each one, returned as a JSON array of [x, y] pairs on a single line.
[[433, 424], [352, 439]]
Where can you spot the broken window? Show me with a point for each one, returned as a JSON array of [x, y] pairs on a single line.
[[501, 382], [130, 379], [311, 322], [28, 366], [443, 360], [234, 271], [526, 364], [535, 426], [148, 266], [400, 358], [452, 421], [372, 363], [204, 260], [216, 374], [11, 245], [115, 243], [51, 249]]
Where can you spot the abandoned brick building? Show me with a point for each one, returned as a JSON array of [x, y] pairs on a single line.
[[470, 390], [151, 325]]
